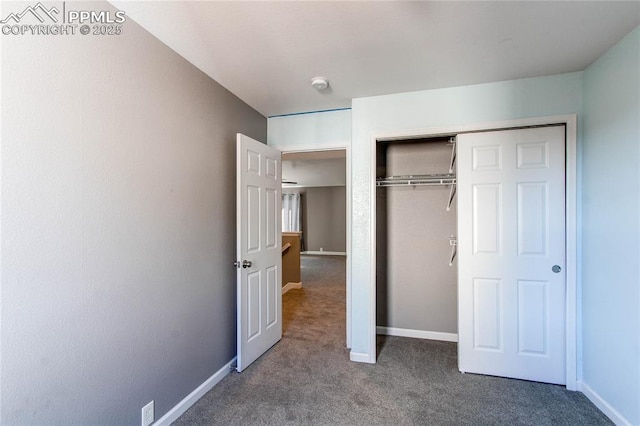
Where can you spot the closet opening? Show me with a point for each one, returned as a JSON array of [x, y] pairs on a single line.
[[509, 176], [416, 220]]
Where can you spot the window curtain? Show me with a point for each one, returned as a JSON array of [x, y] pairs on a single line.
[[291, 217]]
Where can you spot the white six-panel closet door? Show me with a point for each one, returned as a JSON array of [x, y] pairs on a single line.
[[511, 242]]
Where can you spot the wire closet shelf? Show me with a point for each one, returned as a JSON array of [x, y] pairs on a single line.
[[427, 180], [445, 179]]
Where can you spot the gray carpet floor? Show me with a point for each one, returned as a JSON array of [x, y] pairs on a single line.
[[307, 378]]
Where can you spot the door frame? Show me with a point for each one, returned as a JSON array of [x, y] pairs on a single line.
[[571, 218], [334, 146]]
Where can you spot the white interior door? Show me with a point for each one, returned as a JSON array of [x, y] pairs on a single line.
[[511, 242], [259, 255]]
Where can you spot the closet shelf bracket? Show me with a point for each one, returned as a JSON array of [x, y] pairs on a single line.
[[452, 193], [452, 162], [453, 242]]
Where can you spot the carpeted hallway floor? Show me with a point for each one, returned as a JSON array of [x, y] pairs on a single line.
[[307, 378]]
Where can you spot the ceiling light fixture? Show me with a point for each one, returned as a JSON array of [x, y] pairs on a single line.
[[319, 83]]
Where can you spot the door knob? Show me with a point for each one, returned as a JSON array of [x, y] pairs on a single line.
[[556, 268], [246, 264]]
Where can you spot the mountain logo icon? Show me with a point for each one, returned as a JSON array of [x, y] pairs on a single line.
[[38, 11]]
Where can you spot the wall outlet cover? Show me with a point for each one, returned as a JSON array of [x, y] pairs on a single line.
[[148, 415]]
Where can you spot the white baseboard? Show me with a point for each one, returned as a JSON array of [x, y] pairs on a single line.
[[326, 253], [603, 405], [360, 357], [291, 286], [417, 334], [180, 408]]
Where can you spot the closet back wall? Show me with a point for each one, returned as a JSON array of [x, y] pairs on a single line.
[[417, 289]]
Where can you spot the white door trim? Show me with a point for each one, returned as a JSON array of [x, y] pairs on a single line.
[[335, 146], [571, 231]]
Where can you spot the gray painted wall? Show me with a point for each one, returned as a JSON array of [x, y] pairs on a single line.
[[324, 217], [118, 226], [315, 172], [416, 287]]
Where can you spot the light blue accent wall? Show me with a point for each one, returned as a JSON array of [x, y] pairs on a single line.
[[508, 100], [319, 129], [611, 227]]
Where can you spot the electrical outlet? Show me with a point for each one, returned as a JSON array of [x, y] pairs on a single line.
[[148, 415]]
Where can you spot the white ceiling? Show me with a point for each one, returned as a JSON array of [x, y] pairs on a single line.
[[266, 52]]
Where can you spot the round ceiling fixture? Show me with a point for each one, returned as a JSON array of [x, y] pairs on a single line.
[[319, 83]]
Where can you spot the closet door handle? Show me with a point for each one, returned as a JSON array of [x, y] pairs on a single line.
[[556, 268], [246, 264]]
